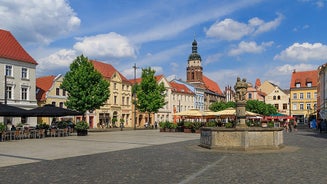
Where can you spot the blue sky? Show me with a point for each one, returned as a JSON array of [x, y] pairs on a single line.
[[251, 38]]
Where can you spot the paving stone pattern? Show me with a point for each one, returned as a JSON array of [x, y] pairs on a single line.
[[179, 160]]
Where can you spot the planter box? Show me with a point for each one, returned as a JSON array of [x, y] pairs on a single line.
[[81, 132], [187, 130]]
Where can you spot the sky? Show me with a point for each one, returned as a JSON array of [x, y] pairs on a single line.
[[264, 39]]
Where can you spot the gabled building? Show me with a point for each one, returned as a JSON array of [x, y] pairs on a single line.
[[119, 104], [48, 91], [276, 96], [253, 94], [303, 94], [17, 76], [164, 113], [322, 92], [182, 97], [194, 76], [198, 92]]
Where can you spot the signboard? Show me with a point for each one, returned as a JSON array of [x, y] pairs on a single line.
[[206, 137]]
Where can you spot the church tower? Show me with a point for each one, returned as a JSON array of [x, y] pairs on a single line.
[[194, 69]]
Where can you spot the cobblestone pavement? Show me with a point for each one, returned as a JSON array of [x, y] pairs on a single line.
[[178, 160]]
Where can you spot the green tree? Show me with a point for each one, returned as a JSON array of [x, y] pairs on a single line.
[[150, 94], [87, 89], [260, 107], [218, 106]]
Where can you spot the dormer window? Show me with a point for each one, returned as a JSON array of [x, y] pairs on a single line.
[[297, 84], [309, 84]]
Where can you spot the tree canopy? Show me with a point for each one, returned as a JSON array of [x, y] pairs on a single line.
[[218, 106], [87, 89], [260, 107], [150, 94], [251, 105]]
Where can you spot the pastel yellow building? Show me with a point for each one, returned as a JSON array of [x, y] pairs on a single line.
[[48, 91], [303, 95], [118, 107]]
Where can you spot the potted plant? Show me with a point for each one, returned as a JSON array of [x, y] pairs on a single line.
[[188, 127], [81, 128], [162, 126], [229, 125], [114, 120], [197, 126], [173, 127]]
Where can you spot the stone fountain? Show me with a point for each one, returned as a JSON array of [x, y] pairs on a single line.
[[241, 137]]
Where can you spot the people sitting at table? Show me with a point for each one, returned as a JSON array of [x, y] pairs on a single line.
[[13, 128]]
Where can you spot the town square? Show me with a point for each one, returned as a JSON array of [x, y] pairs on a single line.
[[163, 91]]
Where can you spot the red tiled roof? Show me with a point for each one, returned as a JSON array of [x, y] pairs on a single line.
[[106, 70], [303, 77], [43, 84], [139, 80], [211, 85], [11, 49], [180, 88]]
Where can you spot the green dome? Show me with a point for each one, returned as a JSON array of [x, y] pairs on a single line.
[[194, 55]]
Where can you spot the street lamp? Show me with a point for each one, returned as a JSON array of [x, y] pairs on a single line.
[[6, 89], [134, 95]]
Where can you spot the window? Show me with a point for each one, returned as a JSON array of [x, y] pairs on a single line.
[[127, 99], [284, 106], [315, 95], [53, 103], [301, 106], [115, 100], [24, 73], [61, 104], [123, 87], [250, 95], [9, 92], [301, 95], [309, 84], [24, 93], [308, 106], [63, 92], [115, 85], [308, 95], [298, 85], [277, 106], [294, 106], [123, 100], [57, 91], [8, 70], [278, 97], [274, 98], [294, 95]]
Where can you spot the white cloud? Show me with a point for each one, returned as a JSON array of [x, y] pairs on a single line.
[[229, 29], [44, 21], [105, 46], [287, 69], [58, 60], [303, 52], [265, 27], [212, 58], [249, 47]]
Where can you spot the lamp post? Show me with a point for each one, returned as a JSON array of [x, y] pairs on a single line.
[[134, 95], [6, 89]]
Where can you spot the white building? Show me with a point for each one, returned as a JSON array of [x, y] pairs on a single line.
[[17, 76]]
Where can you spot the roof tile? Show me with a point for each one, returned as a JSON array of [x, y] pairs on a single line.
[[11, 49], [303, 77]]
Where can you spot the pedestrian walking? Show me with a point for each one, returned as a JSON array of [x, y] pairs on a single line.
[[295, 125], [286, 127]]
